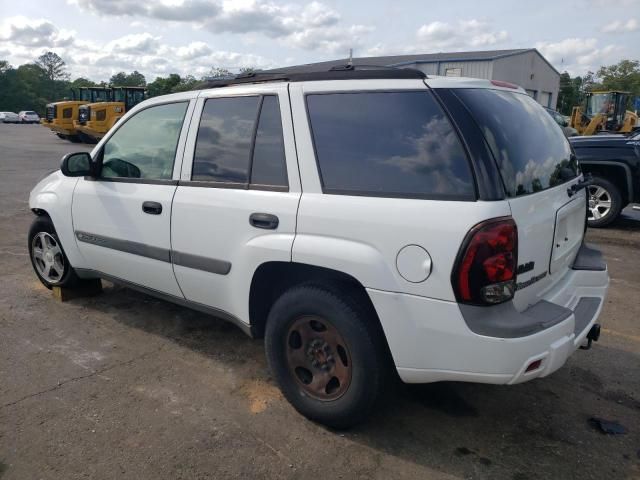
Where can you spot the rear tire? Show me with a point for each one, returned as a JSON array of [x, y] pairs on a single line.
[[605, 202], [326, 354], [47, 255]]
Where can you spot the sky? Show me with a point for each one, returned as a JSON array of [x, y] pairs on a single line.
[[98, 38]]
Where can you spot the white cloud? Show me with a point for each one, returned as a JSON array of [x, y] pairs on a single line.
[[619, 26], [463, 34], [578, 55], [310, 26], [25, 39], [33, 33]]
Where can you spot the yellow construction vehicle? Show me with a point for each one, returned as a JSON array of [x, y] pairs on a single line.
[[604, 112], [96, 119], [60, 115]]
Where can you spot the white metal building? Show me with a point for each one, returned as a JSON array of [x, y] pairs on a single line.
[[525, 67]]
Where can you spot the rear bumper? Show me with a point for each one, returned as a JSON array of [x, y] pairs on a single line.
[[431, 340]]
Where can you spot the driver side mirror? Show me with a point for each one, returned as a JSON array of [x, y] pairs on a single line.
[[76, 165]]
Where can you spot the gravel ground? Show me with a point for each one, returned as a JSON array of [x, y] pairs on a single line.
[[126, 386]]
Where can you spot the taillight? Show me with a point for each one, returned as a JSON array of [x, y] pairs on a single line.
[[485, 270], [500, 83]]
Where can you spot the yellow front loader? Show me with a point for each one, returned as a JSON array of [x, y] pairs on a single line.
[[60, 115], [604, 112], [96, 119]]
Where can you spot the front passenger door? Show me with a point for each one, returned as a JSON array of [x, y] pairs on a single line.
[[122, 218]]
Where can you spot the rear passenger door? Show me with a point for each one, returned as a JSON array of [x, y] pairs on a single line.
[[235, 206]]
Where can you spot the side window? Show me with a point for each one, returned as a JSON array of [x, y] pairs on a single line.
[[145, 145], [223, 145], [269, 167], [393, 144]]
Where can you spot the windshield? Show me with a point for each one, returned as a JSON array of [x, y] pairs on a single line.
[[600, 103], [100, 95], [529, 147]]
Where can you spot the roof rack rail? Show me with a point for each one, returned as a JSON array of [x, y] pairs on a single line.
[[361, 66], [346, 72]]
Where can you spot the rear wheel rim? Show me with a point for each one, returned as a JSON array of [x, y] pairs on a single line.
[[318, 358], [47, 257], [599, 202]]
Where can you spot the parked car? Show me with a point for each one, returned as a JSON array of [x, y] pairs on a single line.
[[28, 116], [563, 122], [614, 162], [355, 219], [9, 117]]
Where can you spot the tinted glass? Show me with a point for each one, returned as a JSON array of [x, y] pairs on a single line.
[[388, 144], [269, 166], [145, 145], [223, 146], [531, 151]]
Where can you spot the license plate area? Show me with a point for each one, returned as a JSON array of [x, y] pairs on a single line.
[[568, 234]]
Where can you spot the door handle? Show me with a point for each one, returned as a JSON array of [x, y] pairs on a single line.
[[152, 208], [264, 220]]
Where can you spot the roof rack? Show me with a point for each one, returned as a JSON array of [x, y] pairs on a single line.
[[345, 72]]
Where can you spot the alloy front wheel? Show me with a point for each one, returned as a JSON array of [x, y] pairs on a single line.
[[48, 258]]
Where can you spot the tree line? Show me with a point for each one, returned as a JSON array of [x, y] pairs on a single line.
[[32, 85], [623, 76]]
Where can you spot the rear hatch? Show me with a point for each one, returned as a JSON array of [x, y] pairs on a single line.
[[538, 168]]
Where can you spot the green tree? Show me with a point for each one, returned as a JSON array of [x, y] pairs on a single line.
[[55, 70], [163, 85], [133, 79], [82, 82], [219, 73], [625, 76], [54, 67], [186, 83]]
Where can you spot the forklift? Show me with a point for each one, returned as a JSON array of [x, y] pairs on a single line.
[[96, 119], [60, 116], [604, 112]]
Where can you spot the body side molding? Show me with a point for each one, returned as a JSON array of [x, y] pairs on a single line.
[[206, 264]]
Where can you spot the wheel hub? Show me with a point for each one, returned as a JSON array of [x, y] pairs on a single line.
[[318, 358], [320, 355]]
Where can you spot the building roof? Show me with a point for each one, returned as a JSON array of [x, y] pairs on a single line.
[[400, 60]]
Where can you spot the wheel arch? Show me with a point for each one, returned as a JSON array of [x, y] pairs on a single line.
[[273, 278], [618, 173]]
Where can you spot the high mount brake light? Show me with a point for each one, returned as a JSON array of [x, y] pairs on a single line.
[[500, 83], [485, 270]]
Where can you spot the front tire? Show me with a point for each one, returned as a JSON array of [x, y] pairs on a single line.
[[326, 354], [605, 202], [47, 256]]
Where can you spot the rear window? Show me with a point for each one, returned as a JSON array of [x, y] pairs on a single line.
[[530, 149], [393, 144], [30, 113]]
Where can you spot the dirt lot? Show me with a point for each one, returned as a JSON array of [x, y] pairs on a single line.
[[126, 386]]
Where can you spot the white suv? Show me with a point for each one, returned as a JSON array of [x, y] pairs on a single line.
[[357, 219]]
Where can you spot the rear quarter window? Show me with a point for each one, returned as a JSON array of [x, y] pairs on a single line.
[[393, 144], [529, 147]]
